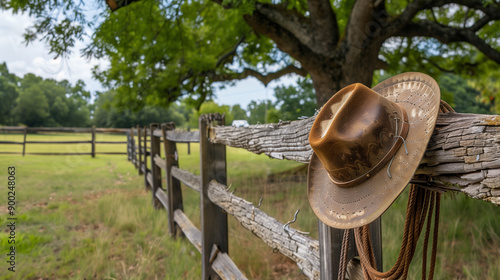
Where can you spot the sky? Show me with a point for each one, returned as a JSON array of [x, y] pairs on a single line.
[[35, 58]]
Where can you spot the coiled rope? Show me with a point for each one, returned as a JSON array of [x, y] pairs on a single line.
[[423, 203]]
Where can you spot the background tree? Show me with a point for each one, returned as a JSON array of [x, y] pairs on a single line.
[[258, 111], [238, 112], [296, 101], [32, 107], [464, 98], [8, 95], [162, 50], [34, 101], [107, 115], [210, 107]]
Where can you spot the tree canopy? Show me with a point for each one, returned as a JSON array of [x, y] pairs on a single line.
[[160, 51], [34, 101]]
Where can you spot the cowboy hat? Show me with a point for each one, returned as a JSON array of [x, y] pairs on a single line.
[[367, 145]]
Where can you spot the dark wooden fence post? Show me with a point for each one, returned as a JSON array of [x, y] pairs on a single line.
[[330, 244], [93, 142], [174, 191], [129, 147], [132, 147], [24, 141], [139, 148], [214, 229], [155, 169], [189, 144], [145, 147]]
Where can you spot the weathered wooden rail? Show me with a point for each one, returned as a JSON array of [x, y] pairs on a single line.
[[45, 130], [464, 152]]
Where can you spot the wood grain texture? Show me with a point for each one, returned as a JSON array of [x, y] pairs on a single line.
[[160, 162], [190, 180], [214, 225], [298, 247], [180, 136], [464, 149], [224, 266], [162, 197], [222, 263], [192, 233], [149, 180]]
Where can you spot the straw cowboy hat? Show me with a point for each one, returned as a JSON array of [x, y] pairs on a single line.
[[367, 145]]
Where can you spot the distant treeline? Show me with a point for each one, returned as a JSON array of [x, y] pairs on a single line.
[[37, 102], [34, 101]]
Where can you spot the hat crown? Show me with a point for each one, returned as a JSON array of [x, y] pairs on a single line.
[[354, 133]]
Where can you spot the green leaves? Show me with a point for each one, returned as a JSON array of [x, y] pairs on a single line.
[[296, 101], [34, 101], [59, 23], [159, 54], [163, 51]]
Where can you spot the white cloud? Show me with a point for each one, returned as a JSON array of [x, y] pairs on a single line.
[[35, 58]]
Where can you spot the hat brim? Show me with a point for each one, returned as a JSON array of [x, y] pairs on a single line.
[[352, 207]]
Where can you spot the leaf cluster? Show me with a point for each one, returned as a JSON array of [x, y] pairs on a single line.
[[34, 101]]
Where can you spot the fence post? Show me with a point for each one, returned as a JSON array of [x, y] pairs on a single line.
[[155, 169], [93, 142], [129, 144], [145, 147], [174, 191], [24, 141], [139, 135], [132, 147], [330, 244], [189, 144], [214, 229]]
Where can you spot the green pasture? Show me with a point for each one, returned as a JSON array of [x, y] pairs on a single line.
[[90, 218]]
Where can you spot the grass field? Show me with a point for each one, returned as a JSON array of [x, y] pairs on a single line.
[[90, 218]]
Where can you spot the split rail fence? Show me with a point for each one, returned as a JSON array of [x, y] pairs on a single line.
[[25, 131], [463, 155]]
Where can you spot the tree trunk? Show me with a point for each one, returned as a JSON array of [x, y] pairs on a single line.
[[332, 76]]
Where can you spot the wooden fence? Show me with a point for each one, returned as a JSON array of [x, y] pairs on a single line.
[[464, 152], [25, 131]]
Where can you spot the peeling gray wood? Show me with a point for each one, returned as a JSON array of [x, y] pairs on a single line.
[[180, 136], [224, 266], [162, 197], [298, 247], [149, 179], [464, 149], [160, 162], [190, 180], [192, 233]]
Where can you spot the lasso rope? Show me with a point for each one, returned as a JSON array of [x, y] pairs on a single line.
[[422, 204]]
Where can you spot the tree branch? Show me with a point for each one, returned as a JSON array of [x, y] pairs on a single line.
[[316, 36], [265, 79], [447, 34], [480, 23], [324, 20], [358, 21], [413, 8], [367, 23], [231, 53], [284, 39]]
